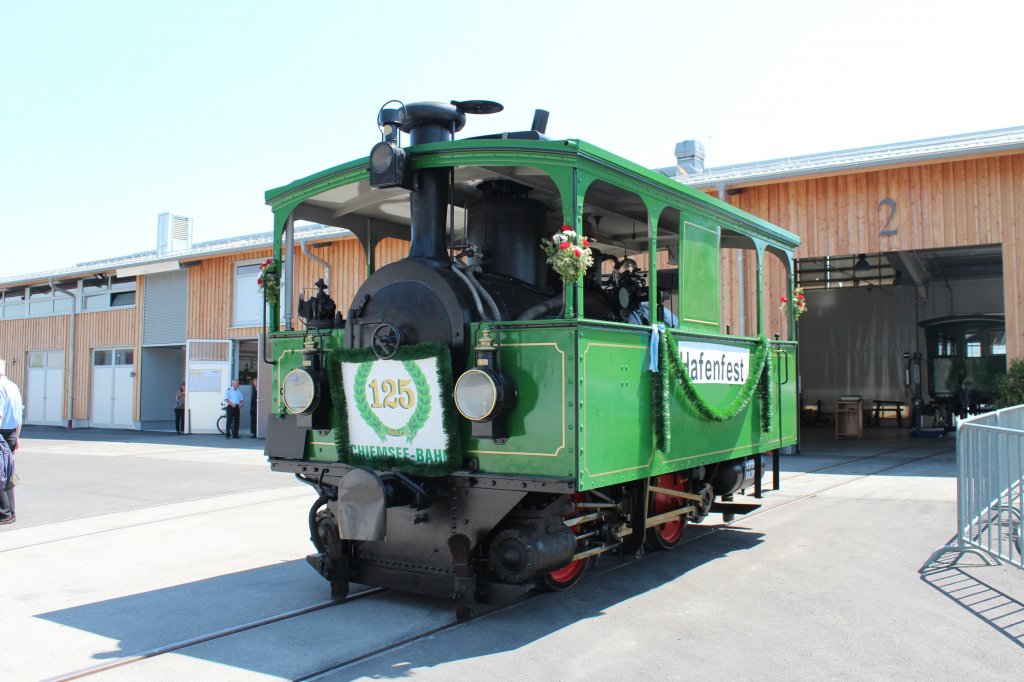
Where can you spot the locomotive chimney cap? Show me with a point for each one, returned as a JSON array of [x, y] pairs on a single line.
[[439, 121], [441, 114], [478, 106]]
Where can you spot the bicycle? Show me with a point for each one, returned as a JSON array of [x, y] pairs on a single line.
[[222, 421]]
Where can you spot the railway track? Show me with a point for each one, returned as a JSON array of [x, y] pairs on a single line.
[[702, 533], [209, 637]]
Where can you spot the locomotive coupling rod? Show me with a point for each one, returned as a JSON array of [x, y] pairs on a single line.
[[596, 550], [668, 516], [577, 520], [675, 493]]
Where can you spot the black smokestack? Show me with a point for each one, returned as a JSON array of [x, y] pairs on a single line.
[[427, 122], [429, 210]]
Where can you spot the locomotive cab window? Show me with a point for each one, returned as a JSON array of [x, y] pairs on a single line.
[[619, 286], [997, 341], [972, 342]]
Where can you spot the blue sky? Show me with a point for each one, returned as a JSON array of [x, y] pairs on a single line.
[[117, 111]]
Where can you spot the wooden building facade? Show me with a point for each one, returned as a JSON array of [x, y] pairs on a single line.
[[191, 313], [953, 206]]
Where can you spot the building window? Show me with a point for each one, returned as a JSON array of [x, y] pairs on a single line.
[[13, 304], [122, 298], [40, 301], [248, 303], [108, 292]]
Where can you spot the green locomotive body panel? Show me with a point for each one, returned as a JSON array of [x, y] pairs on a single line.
[[585, 408], [287, 354], [606, 436], [543, 435]]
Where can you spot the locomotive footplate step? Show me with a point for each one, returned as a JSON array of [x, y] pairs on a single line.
[[733, 507]]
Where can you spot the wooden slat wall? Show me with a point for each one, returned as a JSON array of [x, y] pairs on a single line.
[[210, 292], [93, 330], [211, 283], [100, 330], [390, 250], [18, 337], [939, 205]]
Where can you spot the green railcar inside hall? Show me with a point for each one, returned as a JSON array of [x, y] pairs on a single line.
[[966, 356], [544, 377]]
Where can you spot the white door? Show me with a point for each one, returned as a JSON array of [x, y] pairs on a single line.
[[113, 387], [44, 400], [208, 375]]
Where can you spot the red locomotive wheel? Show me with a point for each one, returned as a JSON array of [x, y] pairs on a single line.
[[667, 535], [573, 572], [569, 575]]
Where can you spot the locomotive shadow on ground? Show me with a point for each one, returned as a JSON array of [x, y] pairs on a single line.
[[147, 620], [534, 619], [995, 608], [154, 619]]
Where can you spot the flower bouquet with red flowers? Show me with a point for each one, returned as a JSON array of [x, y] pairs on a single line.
[[799, 303], [269, 281], [568, 254]]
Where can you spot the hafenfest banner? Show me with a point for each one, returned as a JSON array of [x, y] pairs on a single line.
[[396, 412]]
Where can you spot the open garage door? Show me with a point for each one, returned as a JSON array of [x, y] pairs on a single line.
[[209, 374], [866, 317]]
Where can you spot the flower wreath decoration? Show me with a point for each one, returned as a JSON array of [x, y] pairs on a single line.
[[568, 254], [799, 303], [269, 281]]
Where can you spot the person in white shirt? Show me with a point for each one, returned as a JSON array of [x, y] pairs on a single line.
[[11, 410], [233, 398]]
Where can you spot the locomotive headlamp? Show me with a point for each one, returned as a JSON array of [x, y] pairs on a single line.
[[300, 391], [476, 394], [388, 166], [484, 394]]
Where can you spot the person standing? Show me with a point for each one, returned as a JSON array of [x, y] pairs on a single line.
[[11, 409], [179, 410], [252, 408], [233, 398]]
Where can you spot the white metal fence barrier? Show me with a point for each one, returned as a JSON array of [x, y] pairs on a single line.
[[989, 478]]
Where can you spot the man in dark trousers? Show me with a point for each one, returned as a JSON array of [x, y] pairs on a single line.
[[233, 398], [252, 409], [11, 409]]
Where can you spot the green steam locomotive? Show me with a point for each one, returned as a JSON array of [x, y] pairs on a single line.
[[544, 377]]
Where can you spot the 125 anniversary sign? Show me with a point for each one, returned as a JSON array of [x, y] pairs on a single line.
[[395, 411]]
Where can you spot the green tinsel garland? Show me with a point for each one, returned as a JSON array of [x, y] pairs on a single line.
[[673, 377], [340, 408]]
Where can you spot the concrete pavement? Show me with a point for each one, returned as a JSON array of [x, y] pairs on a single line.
[[133, 541]]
